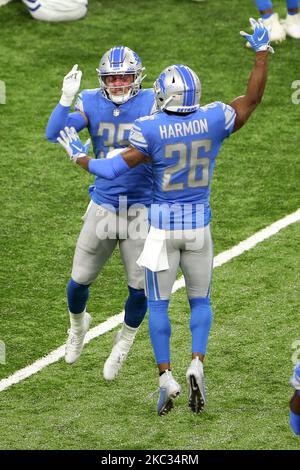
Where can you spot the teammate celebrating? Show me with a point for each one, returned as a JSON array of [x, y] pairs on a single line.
[[108, 112], [182, 142]]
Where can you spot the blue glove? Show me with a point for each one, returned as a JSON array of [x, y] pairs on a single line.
[[260, 39], [295, 380], [70, 141]]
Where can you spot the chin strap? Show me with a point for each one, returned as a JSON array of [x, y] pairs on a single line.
[[162, 107]]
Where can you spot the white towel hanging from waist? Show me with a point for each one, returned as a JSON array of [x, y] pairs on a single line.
[[154, 255]]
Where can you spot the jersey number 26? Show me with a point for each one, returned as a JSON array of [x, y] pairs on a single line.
[[188, 161]]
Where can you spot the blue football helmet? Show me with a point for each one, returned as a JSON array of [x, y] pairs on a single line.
[[120, 60], [178, 89]]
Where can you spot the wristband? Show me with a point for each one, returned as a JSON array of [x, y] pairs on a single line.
[[66, 100]]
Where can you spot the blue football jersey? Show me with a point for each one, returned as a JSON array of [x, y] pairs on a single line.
[[109, 127], [183, 150]]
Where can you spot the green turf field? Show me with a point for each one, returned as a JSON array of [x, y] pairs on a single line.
[[255, 297]]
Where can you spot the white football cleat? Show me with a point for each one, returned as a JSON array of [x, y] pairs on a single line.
[[277, 32], [195, 380], [169, 389], [74, 344], [117, 357], [291, 25]]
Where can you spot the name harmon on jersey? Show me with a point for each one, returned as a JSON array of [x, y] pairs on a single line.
[[182, 129]]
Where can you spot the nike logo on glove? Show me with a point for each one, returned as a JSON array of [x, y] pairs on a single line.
[[262, 36], [78, 148]]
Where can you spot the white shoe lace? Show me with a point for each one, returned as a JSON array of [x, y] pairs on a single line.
[[151, 395], [157, 390], [74, 339], [120, 357]]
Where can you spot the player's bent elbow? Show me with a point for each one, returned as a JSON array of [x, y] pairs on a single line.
[[240, 121], [256, 101], [243, 116]]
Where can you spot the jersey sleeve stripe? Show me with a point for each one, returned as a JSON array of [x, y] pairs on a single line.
[[138, 136], [230, 122], [136, 142]]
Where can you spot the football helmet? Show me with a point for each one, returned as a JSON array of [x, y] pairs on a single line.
[[120, 60], [178, 89]]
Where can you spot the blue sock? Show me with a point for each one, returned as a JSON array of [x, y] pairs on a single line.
[[295, 422], [160, 329], [200, 323], [263, 5], [135, 307], [77, 296], [292, 5]]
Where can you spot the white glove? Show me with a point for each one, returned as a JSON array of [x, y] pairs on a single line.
[[259, 40], [70, 141], [71, 85]]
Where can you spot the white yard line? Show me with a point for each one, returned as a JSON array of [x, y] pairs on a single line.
[[114, 321]]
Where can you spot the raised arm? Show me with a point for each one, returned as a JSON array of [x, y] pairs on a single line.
[[61, 116], [246, 104]]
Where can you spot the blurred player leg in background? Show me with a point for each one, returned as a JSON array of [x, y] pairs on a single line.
[[271, 20], [279, 29], [4, 2], [57, 10], [295, 401], [292, 22]]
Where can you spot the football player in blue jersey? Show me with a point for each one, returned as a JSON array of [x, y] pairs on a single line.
[[181, 141], [295, 401], [108, 112]]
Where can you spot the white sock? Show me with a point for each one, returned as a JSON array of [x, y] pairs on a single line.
[[77, 321], [128, 333]]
